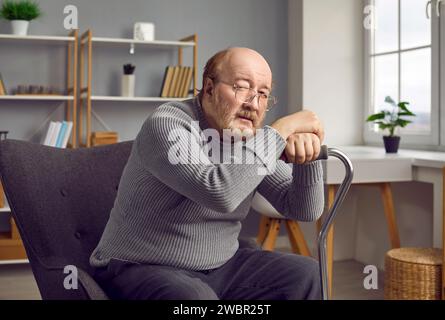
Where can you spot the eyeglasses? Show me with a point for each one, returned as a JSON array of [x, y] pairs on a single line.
[[246, 95]]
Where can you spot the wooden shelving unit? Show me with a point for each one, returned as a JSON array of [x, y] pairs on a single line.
[[37, 97], [135, 99], [72, 43], [11, 246], [43, 38], [86, 96]]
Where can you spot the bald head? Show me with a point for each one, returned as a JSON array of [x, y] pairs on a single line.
[[246, 62]]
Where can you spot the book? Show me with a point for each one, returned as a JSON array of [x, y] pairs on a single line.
[[61, 134], [168, 80], [49, 133], [55, 134], [178, 87], [172, 88], [69, 128], [2, 86], [164, 82], [188, 82], [182, 82]]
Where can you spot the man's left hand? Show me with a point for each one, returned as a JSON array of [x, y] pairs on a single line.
[[301, 148]]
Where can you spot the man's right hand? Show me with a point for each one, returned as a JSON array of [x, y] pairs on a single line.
[[299, 122]]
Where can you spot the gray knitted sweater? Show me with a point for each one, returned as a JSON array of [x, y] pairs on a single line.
[[188, 215]]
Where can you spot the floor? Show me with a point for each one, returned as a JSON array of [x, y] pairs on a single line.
[[17, 282]]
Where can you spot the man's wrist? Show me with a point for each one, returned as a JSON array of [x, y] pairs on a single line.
[[281, 128]]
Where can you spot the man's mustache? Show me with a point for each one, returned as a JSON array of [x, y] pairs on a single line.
[[249, 115]]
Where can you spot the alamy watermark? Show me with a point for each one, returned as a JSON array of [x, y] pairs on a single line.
[[71, 20], [371, 281], [234, 147], [70, 282], [370, 21]]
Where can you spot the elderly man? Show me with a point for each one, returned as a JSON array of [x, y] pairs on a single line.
[[173, 230]]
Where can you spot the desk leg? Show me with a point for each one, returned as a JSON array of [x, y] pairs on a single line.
[[385, 190], [329, 240]]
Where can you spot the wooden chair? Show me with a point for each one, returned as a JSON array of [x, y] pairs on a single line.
[[270, 228]]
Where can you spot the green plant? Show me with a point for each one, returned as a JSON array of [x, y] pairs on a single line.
[[20, 10], [390, 119], [129, 68]]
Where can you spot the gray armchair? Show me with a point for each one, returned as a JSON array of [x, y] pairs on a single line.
[[61, 200]]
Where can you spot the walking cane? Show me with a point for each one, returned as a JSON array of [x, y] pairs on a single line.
[[340, 196]]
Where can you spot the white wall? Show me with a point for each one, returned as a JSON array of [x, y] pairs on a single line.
[[333, 67], [326, 76]]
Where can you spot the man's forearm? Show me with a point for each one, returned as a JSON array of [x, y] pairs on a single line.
[[299, 122]]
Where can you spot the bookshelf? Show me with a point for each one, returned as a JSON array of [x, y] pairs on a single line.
[[136, 99], [11, 246], [71, 42], [44, 39], [37, 97], [86, 97]]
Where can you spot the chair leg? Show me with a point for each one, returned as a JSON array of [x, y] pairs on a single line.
[[271, 238], [263, 229], [296, 238]]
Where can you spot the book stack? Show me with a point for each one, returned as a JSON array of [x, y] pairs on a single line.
[[58, 134], [99, 138], [177, 81]]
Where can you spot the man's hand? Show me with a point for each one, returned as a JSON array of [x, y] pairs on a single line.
[[301, 148], [299, 122]]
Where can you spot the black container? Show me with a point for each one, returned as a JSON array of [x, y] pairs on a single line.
[[391, 143]]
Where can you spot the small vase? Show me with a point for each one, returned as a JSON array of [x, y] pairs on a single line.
[[128, 85], [19, 27], [391, 143]]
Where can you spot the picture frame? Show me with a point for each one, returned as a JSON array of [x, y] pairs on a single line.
[[144, 31]]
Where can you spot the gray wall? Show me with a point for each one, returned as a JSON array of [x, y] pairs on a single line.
[[258, 24]]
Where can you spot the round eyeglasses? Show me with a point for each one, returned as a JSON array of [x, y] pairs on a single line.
[[246, 95]]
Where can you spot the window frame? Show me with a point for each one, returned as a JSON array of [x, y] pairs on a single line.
[[429, 141]]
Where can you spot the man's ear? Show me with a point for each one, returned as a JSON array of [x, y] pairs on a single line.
[[209, 87]]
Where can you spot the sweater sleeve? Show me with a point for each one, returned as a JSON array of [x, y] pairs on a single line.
[[169, 135], [296, 191]]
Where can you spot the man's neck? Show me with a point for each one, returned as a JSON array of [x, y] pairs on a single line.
[[204, 107]]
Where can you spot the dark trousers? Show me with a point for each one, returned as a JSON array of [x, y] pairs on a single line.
[[251, 274]]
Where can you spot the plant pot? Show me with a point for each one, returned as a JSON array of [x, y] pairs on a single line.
[[391, 143], [128, 85], [19, 27]]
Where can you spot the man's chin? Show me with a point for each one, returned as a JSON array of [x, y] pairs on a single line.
[[240, 132]]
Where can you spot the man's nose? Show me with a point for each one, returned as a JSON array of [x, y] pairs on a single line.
[[253, 102]]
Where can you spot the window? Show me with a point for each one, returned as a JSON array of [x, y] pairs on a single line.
[[402, 62]]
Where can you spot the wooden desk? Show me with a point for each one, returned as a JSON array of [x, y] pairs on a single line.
[[373, 166]]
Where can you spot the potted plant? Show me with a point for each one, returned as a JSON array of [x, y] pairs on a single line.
[[391, 119], [128, 80], [20, 13]]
